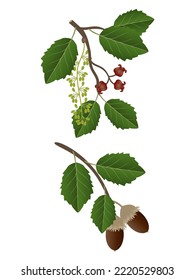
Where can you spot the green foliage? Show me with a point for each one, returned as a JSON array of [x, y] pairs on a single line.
[[59, 59], [86, 118], [135, 20], [119, 168], [103, 212], [122, 42], [121, 114], [76, 185]]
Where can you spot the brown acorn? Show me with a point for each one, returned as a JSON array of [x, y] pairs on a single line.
[[139, 223], [114, 238]]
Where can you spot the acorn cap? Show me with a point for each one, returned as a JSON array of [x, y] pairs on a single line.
[[128, 212], [117, 225]]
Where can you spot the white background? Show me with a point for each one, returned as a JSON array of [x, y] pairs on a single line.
[[38, 228]]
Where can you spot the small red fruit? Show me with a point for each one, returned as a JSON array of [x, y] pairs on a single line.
[[118, 85], [101, 86], [119, 71]]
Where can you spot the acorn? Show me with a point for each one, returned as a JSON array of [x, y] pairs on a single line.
[[134, 218], [139, 223], [115, 234], [114, 238]]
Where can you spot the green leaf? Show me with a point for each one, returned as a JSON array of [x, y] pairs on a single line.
[[135, 20], [76, 185], [119, 168], [59, 59], [103, 212], [122, 42], [91, 117], [121, 114]]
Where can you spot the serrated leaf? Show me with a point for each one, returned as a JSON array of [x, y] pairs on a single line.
[[76, 185], [121, 114], [122, 42], [103, 212], [135, 20], [119, 168], [59, 59], [93, 115]]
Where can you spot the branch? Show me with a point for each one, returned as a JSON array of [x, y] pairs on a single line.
[[109, 79], [86, 41], [92, 27], [86, 162]]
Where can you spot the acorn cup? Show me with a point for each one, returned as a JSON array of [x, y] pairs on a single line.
[[114, 238]]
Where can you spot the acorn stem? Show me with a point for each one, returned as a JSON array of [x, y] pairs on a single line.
[[117, 203]]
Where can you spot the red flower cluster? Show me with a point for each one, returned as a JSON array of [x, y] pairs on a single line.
[[118, 84]]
